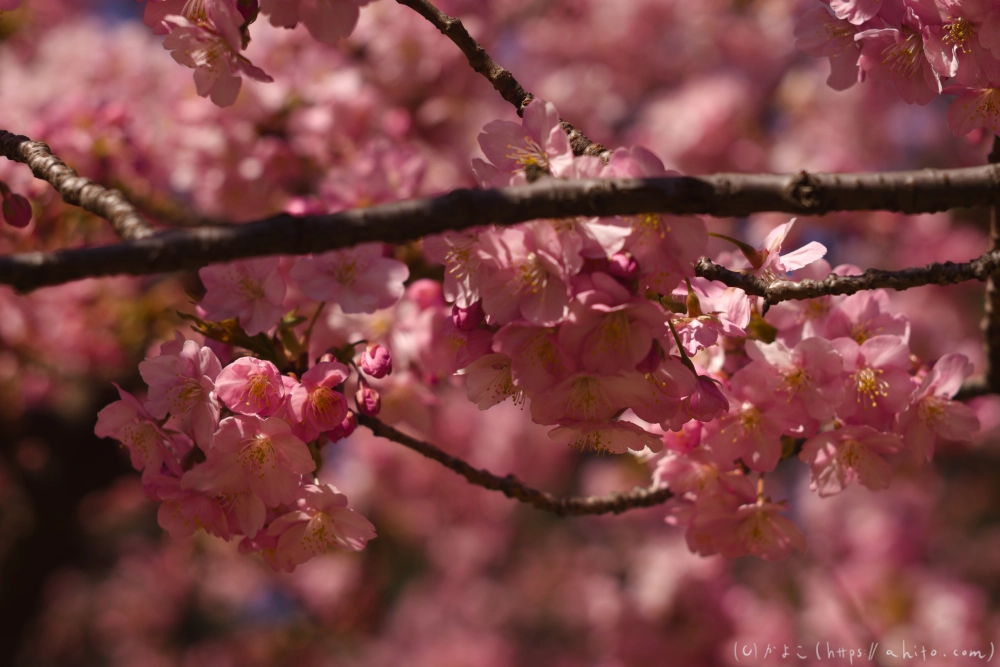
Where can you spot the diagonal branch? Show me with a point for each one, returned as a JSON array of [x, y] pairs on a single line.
[[75, 189], [503, 81], [948, 273], [396, 222], [512, 487]]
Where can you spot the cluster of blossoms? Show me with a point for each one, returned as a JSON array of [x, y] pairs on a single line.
[[923, 47], [208, 35], [233, 450], [600, 324]]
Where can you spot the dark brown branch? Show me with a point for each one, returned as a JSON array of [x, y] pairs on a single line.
[[512, 487], [948, 273], [719, 195], [503, 81], [75, 189], [991, 319]]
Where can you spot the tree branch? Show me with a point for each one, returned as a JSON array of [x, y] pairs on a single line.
[[990, 325], [719, 195], [75, 189], [948, 273], [512, 487], [503, 81]]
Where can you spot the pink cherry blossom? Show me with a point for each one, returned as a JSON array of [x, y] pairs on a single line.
[[538, 142], [613, 437], [770, 264], [251, 386], [863, 315], [932, 414], [255, 454], [220, 15], [610, 331], [183, 512], [524, 276], [811, 373], [840, 456], [9, 5], [215, 60], [181, 382], [252, 290], [953, 35], [820, 33], [326, 20], [489, 382], [537, 358], [877, 386], [359, 279], [457, 251], [897, 55], [586, 397], [127, 421], [322, 523], [315, 404], [974, 108], [752, 429], [860, 11]]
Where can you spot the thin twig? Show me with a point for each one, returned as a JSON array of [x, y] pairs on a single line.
[[75, 189], [721, 195], [512, 487], [503, 81], [947, 273]]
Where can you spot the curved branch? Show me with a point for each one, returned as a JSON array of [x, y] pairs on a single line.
[[75, 189], [512, 487], [718, 195], [948, 273], [503, 81]]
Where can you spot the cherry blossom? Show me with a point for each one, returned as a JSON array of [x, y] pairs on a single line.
[[932, 414], [359, 279], [321, 523], [128, 421], [182, 383], [255, 454], [216, 63], [252, 290], [840, 456], [315, 403], [251, 386]]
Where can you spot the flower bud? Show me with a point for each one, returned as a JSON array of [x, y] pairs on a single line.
[[376, 361], [707, 402], [623, 266], [367, 399], [467, 319], [345, 428], [17, 211]]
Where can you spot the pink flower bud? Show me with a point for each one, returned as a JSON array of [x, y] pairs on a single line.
[[345, 428], [623, 266], [327, 357], [17, 211], [467, 319], [707, 402], [426, 293], [367, 400], [376, 361]]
